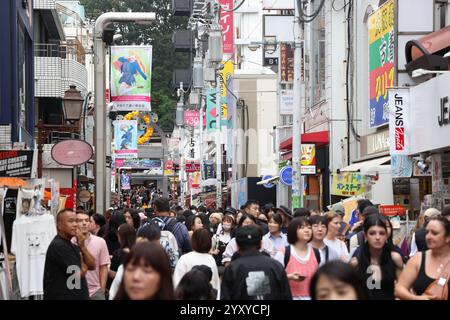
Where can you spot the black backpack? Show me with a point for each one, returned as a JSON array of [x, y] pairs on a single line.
[[287, 255]]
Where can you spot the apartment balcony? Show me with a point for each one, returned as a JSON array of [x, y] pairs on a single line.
[[57, 66], [49, 14]]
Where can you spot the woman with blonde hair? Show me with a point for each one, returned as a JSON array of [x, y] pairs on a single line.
[[418, 242]]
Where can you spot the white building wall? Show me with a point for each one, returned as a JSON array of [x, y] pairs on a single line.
[[335, 52], [267, 119]]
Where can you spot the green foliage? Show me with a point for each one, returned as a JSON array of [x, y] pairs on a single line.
[[159, 35]]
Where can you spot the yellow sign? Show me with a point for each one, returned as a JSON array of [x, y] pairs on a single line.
[[382, 21], [348, 184], [168, 172], [225, 74]]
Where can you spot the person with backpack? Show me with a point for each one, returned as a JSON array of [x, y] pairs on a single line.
[[319, 225], [357, 238], [179, 230], [301, 260]]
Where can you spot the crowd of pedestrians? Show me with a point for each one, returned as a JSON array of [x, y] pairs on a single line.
[[166, 252]]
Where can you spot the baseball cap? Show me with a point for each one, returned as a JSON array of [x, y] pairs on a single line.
[[230, 210], [431, 212], [285, 210], [248, 236], [338, 207]]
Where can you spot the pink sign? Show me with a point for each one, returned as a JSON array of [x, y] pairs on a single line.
[[192, 167], [226, 22], [72, 152], [191, 118]]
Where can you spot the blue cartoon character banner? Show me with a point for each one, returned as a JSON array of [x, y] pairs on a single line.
[[125, 139], [131, 68]]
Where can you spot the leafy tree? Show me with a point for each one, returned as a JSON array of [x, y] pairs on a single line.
[[159, 35]]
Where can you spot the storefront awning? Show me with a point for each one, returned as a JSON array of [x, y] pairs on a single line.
[[319, 138], [366, 164]]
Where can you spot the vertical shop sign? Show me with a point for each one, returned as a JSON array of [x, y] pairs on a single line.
[[381, 62], [226, 23]]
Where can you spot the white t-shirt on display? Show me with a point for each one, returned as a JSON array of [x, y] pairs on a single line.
[[31, 237]]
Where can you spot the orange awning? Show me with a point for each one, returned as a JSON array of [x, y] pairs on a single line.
[[12, 183]]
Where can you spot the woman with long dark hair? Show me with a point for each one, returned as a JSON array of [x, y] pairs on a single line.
[[147, 274], [336, 280], [377, 262], [111, 234], [127, 237]]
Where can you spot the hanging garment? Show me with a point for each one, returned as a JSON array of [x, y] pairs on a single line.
[[25, 202], [30, 240]]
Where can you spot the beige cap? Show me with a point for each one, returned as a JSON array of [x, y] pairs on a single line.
[[431, 212]]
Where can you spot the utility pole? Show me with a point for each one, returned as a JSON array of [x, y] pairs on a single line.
[[297, 179], [100, 111], [218, 143], [180, 124]]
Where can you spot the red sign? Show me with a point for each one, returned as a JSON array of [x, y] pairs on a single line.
[[192, 167], [169, 165], [72, 152], [226, 23], [191, 118], [392, 210], [400, 138]]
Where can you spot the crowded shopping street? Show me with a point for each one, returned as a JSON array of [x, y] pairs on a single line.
[[226, 152]]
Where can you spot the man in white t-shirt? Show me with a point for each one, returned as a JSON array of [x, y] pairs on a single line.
[[96, 279]]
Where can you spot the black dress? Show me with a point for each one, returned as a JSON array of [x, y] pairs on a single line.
[[423, 281]]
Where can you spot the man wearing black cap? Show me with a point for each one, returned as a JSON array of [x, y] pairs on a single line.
[[254, 275]]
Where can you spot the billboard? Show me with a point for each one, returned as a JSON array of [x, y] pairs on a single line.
[[16, 163], [125, 139], [381, 62], [131, 71]]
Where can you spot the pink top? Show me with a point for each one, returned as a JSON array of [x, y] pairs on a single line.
[[306, 268], [98, 249]]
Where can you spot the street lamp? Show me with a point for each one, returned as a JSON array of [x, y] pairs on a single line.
[[72, 104], [421, 72], [101, 181]]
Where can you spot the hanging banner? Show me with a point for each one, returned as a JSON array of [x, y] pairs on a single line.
[[211, 110], [348, 184], [308, 159], [192, 147], [381, 62], [286, 102], [399, 131], [16, 163], [225, 76], [131, 68], [210, 174], [226, 23], [54, 187], [286, 63], [125, 139], [125, 181]]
